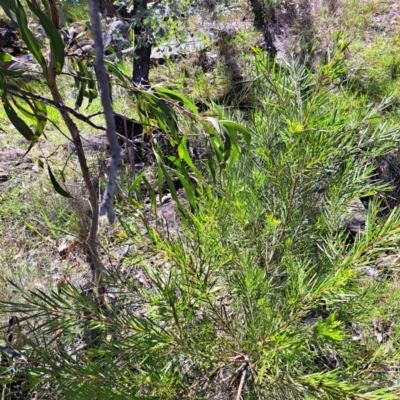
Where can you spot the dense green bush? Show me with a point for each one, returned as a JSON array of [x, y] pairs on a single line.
[[261, 294]]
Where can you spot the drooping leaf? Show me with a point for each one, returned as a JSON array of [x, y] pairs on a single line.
[[25, 111], [219, 110], [122, 68], [47, 8], [39, 109], [19, 123], [9, 8], [188, 190], [164, 115], [152, 195], [211, 165], [7, 72], [28, 37], [81, 92], [113, 70], [52, 33], [91, 92], [5, 57], [234, 150], [233, 125], [3, 84], [133, 187], [227, 146], [176, 96], [86, 85], [184, 153], [171, 186], [57, 186]]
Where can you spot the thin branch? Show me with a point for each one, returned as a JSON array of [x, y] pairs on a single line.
[[123, 255], [16, 91], [242, 379], [107, 207], [73, 129], [95, 114]]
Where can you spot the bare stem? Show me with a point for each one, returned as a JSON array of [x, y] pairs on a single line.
[[107, 206], [76, 138], [242, 379]]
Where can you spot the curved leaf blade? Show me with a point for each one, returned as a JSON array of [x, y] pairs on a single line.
[[52, 33], [188, 190], [18, 123], [29, 39], [237, 127], [5, 57], [176, 96], [57, 187]]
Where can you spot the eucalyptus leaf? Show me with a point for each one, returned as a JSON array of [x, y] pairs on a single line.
[[57, 187], [29, 39], [52, 33]]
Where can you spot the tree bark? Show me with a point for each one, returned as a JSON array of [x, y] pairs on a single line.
[[141, 65], [107, 206], [94, 259], [107, 7]]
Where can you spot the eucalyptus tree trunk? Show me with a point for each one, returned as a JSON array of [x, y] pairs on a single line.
[[106, 7], [141, 65]]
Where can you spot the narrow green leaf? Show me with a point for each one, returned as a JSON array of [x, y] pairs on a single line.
[[81, 92], [7, 72], [52, 33], [3, 84], [19, 123], [175, 160], [235, 148], [57, 186], [245, 132], [152, 195], [234, 156], [164, 112], [9, 8], [176, 96], [28, 37], [211, 165], [171, 185], [188, 190], [133, 187], [122, 68], [159, 181], [219, 110], [39, 109], [116, 72], [47, 8], [5, 57], [91, 92], [227, 147], [79, 83], [186, 156], [217, 126]]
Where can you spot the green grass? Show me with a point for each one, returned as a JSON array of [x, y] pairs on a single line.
[[378, 67]]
